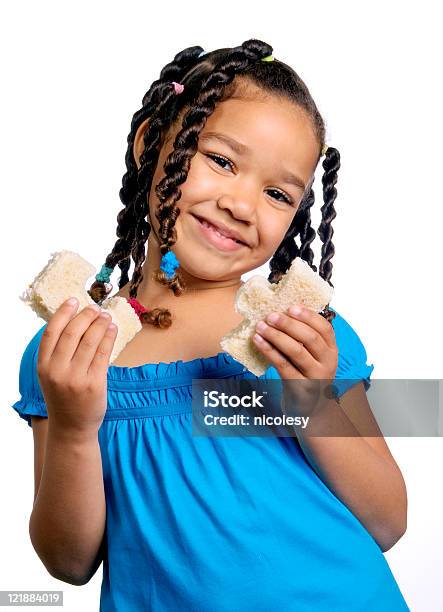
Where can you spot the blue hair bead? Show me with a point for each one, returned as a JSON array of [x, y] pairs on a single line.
[[202, 53], [104, 274], [169, 263]]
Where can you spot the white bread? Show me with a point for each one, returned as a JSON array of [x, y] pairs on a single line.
[[257, 298], [65, 275]]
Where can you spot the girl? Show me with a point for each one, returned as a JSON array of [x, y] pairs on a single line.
[[231, 140]]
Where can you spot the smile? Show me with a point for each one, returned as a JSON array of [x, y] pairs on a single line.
[[214, 237]]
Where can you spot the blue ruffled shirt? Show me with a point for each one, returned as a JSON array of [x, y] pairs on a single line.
[[220, 523]]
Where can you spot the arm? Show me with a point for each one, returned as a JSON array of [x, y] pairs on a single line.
[[359, 470], [67, 522], [302, 347]]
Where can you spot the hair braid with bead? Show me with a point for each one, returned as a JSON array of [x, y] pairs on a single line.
[[128, 220]]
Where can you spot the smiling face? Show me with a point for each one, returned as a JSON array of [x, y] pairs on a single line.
[[254, 190]]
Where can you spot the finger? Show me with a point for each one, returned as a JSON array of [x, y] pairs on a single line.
[[72, 334], [285, 368], [300, 331], [57, 323], [316, 321], [292, 349], [99, 364], [89, 342]]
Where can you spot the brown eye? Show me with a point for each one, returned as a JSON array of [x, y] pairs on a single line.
[[214, 157], [286, 199], [226, 160]]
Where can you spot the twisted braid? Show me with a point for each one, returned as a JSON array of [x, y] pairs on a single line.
[[127, 220], [148, 162], [331, 165], [288, 249]]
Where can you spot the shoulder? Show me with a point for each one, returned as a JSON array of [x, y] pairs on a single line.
[[28, 365], [352, 356], [33, 344], [32, 400], [351, 348], [30, 352]]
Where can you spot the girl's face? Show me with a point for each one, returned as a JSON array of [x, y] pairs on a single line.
[[246, 187]]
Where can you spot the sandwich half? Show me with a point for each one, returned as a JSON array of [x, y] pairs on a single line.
[[257, 298], [65, 275]]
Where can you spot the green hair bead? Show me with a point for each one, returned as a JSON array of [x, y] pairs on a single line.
[[104, 274]]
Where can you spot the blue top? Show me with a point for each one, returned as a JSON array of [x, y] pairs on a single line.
[[220, 523]]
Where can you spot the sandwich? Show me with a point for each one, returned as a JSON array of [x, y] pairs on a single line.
[[65, 275], [257, 298]]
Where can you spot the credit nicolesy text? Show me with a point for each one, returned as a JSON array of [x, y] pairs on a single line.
[[214, 399], [263, 419]]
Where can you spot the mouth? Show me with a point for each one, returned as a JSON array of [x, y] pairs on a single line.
[[215, 237]]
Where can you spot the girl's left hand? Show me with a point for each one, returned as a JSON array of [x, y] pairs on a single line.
[[301, 347]]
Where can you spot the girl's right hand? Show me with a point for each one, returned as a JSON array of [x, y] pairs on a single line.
[[72, 364]]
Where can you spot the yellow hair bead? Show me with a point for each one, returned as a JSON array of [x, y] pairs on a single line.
[[324, 149], [268, 58]]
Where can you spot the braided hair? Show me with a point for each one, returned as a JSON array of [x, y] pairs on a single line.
[[207, 81]]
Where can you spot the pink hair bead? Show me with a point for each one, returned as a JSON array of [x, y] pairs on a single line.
[[178, 87]]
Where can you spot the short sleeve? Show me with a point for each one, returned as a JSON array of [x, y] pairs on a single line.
[[352, 358], [31, 402]]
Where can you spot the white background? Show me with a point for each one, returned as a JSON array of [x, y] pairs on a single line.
[[73, 74]]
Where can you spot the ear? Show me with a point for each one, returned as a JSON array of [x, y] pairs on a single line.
[[138, 141], [139, 145]]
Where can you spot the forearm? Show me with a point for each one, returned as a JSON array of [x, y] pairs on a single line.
[[67, 522], [367, 483]]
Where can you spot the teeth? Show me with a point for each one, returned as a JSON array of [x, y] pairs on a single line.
[[206, 224]]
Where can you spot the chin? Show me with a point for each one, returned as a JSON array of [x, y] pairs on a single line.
[[201, 265]]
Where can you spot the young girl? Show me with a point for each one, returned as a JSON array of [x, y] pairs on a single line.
[[231, 140]]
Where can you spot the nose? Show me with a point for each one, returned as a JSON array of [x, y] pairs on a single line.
[[241, 204]]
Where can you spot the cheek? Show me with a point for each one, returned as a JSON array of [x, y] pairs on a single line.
[[272, 230], [201, 182], [200, 186]]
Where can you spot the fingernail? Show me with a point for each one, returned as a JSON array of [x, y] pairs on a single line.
[[72, 301], [261, 326], [295, 310]]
